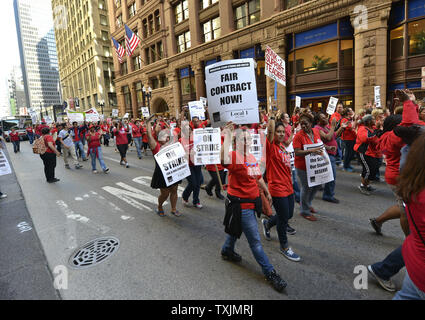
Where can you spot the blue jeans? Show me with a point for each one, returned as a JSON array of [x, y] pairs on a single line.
[[349, 152], [284, 207], [31, 137], [297, 191], [79, 147], [409, 291], [16, 145], [340, 150], [390, 266], [138, 143], [100, 157], [307, 193], [329, 191], [194, 184], [250, 229]]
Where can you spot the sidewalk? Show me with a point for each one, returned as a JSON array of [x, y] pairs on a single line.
[[24, 273]]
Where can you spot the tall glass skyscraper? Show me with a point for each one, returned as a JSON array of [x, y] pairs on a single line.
[[37, 49]]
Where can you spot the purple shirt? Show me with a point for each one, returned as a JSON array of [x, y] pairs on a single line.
[[332, 142]]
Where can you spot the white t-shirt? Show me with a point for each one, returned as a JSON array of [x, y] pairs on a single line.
[[68, 141]]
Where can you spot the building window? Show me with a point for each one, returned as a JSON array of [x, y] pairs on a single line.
[[103, 20], [137, 63], [211, 29], [124, 69], [183, 42], [127, 98], [102, 5], [397, 43], [132, 10], [181, 11], [106, 51], [147, 55], [157, 21], [139, 93], [347, 53], [317, 58], [155, 83], [207, 3], [187, 84], [153, 53], [145, 28], [164, 81], [119, 21], [105, 36], [118, 3], [416, 34], [247, 13], [150, 24], [160, 50], [93, 76]]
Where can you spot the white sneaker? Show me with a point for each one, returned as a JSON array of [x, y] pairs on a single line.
[[94, 171], [127, 165], [185, 203], [198, 205], [3, 196], [386, 284]]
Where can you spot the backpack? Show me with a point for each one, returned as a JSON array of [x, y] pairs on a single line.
[[39, 146]]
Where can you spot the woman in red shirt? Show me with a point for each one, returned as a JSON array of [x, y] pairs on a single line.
[[30, 133], [94, 149], [158, 181], [120, 132], [49, 157], [411, 189], [348, 138], [14, 138], [307, 135], [213, 169], [243, 196], [279, 178]]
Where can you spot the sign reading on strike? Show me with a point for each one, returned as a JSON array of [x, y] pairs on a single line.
[[232, 92], [332, 105], [114, 113], [4, 164], [275, 67], [145, 112], [298, 102], [207, 146], [256, 147], [378, 96], [173, 164], [319, 168], [196, 109]]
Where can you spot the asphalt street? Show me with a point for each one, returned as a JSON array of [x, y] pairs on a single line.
[[179, 257]]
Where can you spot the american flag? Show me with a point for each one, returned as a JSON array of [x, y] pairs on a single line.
[[119, 49], [131, 41]]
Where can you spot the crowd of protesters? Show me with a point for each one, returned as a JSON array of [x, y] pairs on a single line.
[[372, 137]]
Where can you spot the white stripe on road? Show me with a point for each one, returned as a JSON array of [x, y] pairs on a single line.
[[102, 200], [141, 180]]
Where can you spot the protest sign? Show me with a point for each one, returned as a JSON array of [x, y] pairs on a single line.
[[232, 92], [4, 164], [125, 116], [196, 109], [145, 112], [204, 101], [256, 147], [114, 113], [173, 163], [319, 168], [332, 105], [297, 102], [75, 116], [92, 115], [378, 96], [33, 116], [275, 67], [207, 146], [48, 120], [291, 151]]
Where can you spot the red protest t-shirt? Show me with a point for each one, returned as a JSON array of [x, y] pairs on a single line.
[[136, 131], [413, 249], [335, 115], [278, 168], [348, 133], [121, 136], [300, 139], [29, 130], [295, 119], [288, 132], [156, 149], [94, 141], [48, 138], [244, 172], [14, 136], [145, 135]]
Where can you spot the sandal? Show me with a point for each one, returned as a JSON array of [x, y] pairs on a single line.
[[161, 213], [176, 213]]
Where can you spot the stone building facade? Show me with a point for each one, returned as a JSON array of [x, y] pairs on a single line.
[[340, 48]]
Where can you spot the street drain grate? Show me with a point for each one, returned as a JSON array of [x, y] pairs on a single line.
[[94, 252]]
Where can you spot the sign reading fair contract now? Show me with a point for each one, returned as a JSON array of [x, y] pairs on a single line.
[[232, 92], [207, 146], [173, 164]]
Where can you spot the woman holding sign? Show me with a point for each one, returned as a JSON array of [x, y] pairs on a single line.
[[307, 135], [158, 181], [243, 200]]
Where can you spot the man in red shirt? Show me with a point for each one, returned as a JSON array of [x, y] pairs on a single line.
[[30, 133], [14, 138]]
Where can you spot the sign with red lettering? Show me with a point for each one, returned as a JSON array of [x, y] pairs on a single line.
[[275, 67]]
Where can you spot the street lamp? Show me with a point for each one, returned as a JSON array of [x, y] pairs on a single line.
[[147, 94], [101, 104]]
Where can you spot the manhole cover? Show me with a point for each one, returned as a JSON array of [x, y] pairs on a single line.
[[94, 252]]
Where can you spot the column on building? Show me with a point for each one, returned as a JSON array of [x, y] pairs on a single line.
[[226, 16], [173, 79], [194, 23], [199, 80], [171, 45], [370, 56], [121, 102], [111, 13], [134, 104], [124, 10]]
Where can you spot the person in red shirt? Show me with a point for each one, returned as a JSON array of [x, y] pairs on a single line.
[[14, 138], [136, 133], [411, 189], [145, 138], [367, 147], [279, 178], [307, 135], [30, 133], [158, 181], [120, 132], [295, 117], [348, 138], [105, 129], [94, 149], [245, 179], [49, 157], [214, 182]]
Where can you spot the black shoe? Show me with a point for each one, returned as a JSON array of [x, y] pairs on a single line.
[[375, 226], [291, 231], [220, 196], [231, 256], [333, 200], [276, 281], [54, 180], [209, 192]]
